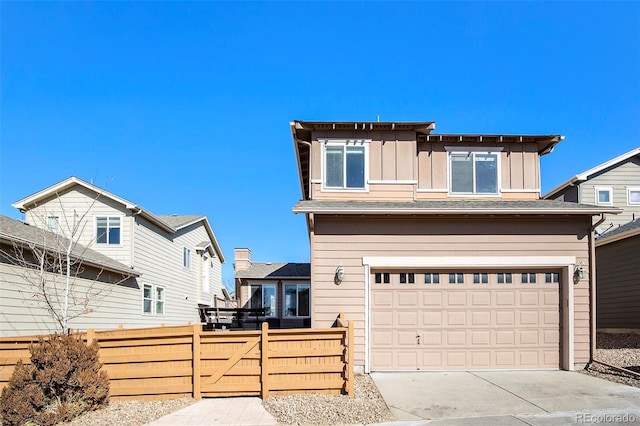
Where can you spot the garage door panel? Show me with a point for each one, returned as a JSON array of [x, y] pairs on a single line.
[[425, 326]]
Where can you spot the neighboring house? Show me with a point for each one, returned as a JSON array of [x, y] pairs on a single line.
[[283, 289], [177, 258], [440, 249], [618, 269], [614, 183]]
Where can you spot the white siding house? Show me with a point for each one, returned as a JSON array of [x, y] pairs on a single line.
[[177, 259]]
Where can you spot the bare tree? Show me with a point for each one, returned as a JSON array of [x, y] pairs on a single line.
[[58, 271]]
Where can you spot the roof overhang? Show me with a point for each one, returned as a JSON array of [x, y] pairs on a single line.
[[441, 208], [545, 143]]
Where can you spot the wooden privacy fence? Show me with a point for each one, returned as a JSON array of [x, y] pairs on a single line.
[[174, 362]]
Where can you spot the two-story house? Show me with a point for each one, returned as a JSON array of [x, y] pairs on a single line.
[[176, 259], [440, 249], [615, 183]]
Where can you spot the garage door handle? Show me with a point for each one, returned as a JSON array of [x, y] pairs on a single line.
[[418, 338]]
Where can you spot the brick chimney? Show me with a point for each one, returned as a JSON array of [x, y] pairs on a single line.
[[242, 259]]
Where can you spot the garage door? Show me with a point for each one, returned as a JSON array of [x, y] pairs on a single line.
[[460, 320]]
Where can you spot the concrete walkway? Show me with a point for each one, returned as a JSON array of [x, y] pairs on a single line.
[[506, 398], [247, 411]]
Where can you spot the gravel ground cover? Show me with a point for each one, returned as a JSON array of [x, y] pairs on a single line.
[[367, 406], [622, 350]]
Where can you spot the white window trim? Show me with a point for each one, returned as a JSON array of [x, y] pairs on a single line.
[[629, 189], [95, 229], [186, 250], [284, 300], [154, 300], [57, 221], [475, 150], [597, 189], [344, 142], [206, 274]]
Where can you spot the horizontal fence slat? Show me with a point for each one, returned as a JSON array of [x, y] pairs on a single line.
[[307, 385], [231, 387], [305, 368], [305, 352], [148, 390], [133, 358]]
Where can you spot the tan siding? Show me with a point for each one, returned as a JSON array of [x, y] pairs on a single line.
[[389, 162], [618, 292], [375, 160], [345, 240], [406, 155], [516, 158], [377, 191], [529, 169]]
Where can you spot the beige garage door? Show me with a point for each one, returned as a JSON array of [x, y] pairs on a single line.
[[459, 320]]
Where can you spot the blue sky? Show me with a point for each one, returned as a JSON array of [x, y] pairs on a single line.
[[184, 107]]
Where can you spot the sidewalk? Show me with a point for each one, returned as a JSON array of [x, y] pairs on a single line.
[[247, 411]]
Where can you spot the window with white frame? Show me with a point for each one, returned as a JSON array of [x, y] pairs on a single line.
[[264, 296], [472, 172], [152, 299], [108, 230], [186, 258], [296, 300], [604, 195], [633, 196], [53, 223], [345, 164]]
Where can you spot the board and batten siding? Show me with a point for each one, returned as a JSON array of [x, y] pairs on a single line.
[[21, 315], [345, 240], [619, 178], [618, 285], [402, 169], [83, 205]]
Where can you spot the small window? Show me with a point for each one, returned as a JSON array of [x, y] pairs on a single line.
[[378, 278], [53, 223], [430, 278], [456, 278], [552, 277], [633, 196], [152, 299], [186, 258], [528, 278], [604, 196], [505, 278], [108, 230], [480, 278], [381, 278], [407, 278]]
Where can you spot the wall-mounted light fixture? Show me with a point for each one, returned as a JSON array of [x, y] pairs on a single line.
[[579, 273], [339, 276]]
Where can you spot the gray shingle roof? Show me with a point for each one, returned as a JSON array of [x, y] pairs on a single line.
[[451, 207], [276, 270], [627, 227], [177, 221], [15, 231]]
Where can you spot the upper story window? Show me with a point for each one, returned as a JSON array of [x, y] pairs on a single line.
[[53, 223], [345, 164], [186, 258], [473, 172], [604, 195], [108, 230], [633, 196]]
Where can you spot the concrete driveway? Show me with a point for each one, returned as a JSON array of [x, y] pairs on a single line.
[[507, 398]]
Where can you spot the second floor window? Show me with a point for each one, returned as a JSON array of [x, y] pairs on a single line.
[[345, 166], [53, 223], [473, 173], [604, 196], [108, 230], [186, 258]]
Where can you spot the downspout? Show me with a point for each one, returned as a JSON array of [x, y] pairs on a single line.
[[592, 285]]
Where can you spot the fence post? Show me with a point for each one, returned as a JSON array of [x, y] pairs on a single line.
[[91, 335], [197, 328], [264, 359], [350, 351]]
